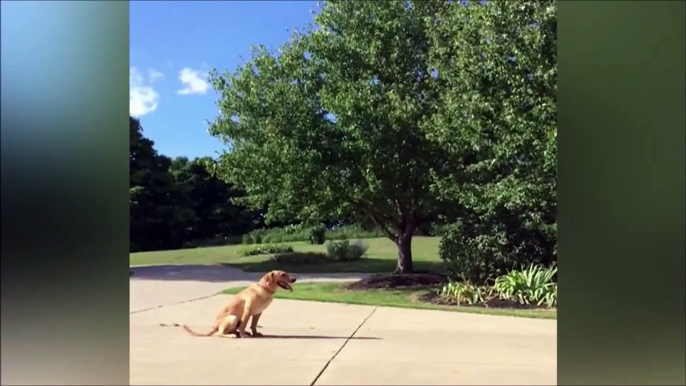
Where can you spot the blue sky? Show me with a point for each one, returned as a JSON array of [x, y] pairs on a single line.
[[172, 46]]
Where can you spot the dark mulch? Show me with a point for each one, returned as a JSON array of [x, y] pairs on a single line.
[[434, 298], [395, 281]]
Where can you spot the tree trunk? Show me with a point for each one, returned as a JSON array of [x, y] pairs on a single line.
[[404, 243]]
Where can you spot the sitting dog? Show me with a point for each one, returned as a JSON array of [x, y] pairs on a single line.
[[250, 302]]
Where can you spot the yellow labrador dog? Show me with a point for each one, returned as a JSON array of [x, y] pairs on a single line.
[[250, 302]]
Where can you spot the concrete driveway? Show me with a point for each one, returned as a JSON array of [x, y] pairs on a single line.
[[309, 343]]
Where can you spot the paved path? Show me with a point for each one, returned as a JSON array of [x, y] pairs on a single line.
[[309, 343]]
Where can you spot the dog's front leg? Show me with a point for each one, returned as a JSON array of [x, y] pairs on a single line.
[[247, 313], [253, 324]]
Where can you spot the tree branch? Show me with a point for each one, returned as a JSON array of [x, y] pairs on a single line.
[[380, 220], [402, 213], [379, 225], [371, 207]]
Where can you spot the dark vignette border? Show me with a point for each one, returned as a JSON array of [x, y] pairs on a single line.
[[65, 293], [621, 192]]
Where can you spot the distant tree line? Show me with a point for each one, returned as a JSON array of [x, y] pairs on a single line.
[[176, 203]]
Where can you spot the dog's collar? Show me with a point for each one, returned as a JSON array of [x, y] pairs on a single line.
[[267, 288]]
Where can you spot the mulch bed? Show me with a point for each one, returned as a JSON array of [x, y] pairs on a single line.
[[434, 298], [398, 281]]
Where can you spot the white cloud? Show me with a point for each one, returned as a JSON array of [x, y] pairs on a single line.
[[143, 99], [194, 81], [154, 75]]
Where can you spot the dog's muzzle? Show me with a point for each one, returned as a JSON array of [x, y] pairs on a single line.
[[286, 285]]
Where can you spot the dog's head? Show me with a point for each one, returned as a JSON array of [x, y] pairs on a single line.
[[279, 278]]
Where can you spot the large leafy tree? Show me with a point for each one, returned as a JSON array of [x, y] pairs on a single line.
[[337, 122], [497, 63]]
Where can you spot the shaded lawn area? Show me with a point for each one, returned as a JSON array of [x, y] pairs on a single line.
[[403, 298], [381, 257]]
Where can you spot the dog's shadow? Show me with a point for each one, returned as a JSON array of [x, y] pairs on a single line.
[[269, 336], [265, 336]]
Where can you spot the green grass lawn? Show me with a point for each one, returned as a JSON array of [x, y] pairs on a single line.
[[336, 293], [381, 257]]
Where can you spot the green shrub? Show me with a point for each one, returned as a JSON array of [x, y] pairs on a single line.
[[316, 235], [476, 259], [262, 249], [431, 229], [292, 229], [296, 258], [479, 250], [272, 238], [532, 285], [267, 236], [345, 251], [255, 237], [465, 293], [438, 229]]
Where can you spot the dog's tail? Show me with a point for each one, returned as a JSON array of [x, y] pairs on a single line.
[[209, 333]]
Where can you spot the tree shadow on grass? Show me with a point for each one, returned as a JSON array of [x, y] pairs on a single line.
[[365, 265]]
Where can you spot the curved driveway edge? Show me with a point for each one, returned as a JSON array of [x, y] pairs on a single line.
[[155, 286]]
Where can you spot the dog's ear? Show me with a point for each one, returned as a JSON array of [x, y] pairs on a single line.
[[269, 278]]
